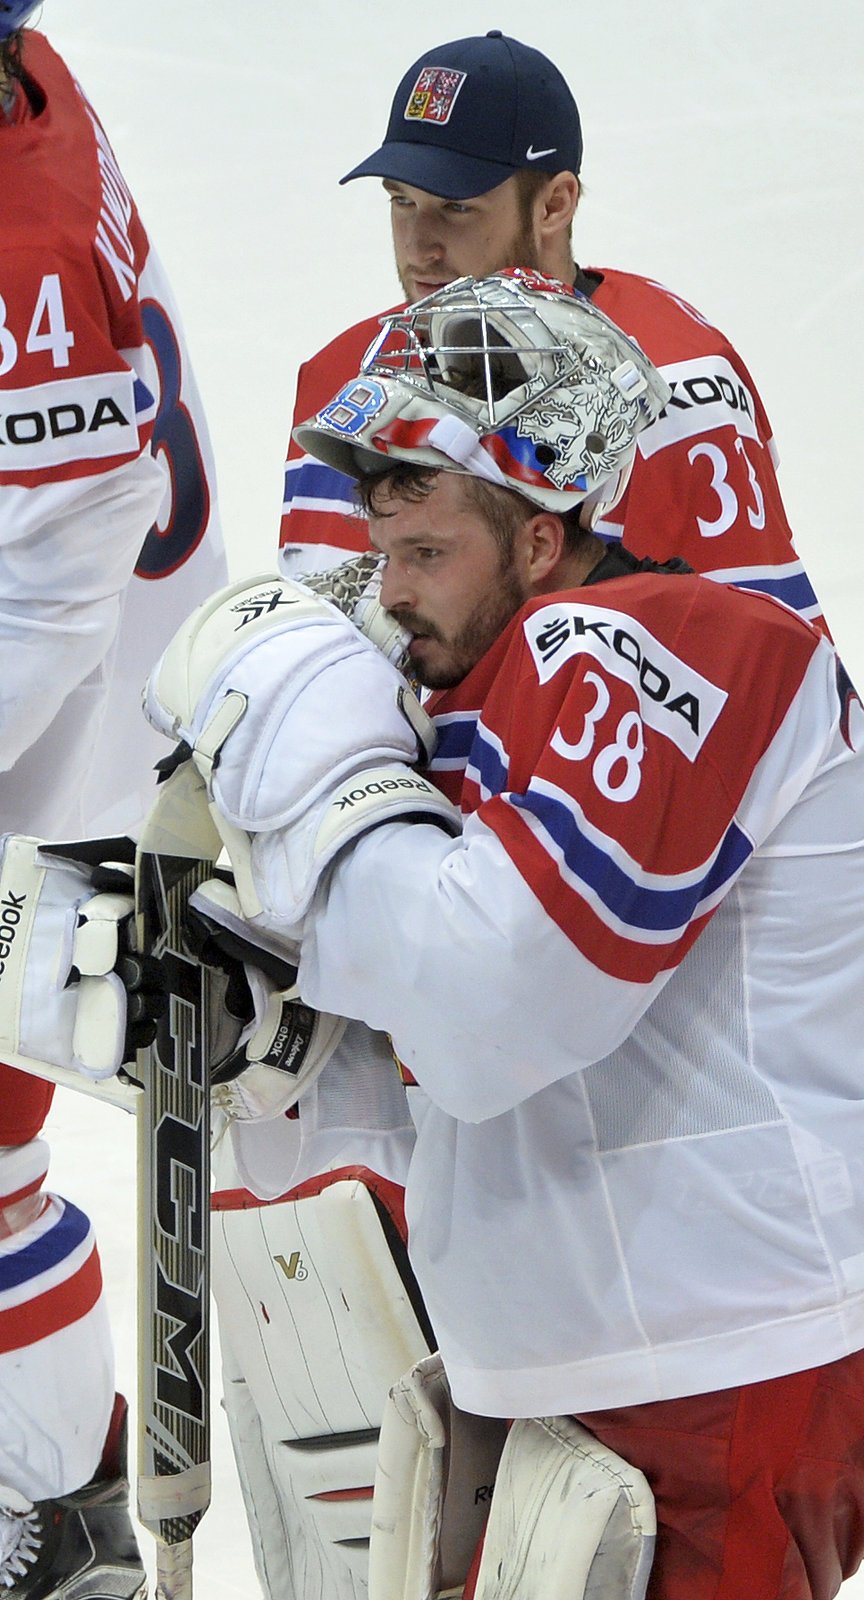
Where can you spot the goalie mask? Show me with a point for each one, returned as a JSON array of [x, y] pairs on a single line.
[[515, 378]]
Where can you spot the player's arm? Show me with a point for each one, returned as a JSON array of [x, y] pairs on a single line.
[[581, 880], [605, 837], [602, 842], [611, 823], [64, 940], [79, 488]]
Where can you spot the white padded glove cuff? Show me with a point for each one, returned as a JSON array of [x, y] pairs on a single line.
[[287, 863], [287, 1044], [59, 1000]]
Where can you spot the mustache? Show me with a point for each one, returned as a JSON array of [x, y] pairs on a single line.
[[414, 622]]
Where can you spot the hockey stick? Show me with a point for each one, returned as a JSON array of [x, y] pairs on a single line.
[[169, 1090], [176, 851]]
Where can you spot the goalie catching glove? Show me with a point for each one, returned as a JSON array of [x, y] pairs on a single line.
[[306, 736], [283, 1044]]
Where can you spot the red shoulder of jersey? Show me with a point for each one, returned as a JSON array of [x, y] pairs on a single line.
[[318, 502], [674, 328], [629, 744], [704, 484], [71, 254], [324, 373]]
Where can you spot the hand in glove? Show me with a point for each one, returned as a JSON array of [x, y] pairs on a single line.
[[75, 993], [281, 1045]]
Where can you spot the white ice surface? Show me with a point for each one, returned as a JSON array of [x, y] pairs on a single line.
[[723, 154]]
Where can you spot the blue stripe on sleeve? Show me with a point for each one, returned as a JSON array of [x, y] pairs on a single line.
[[48, 1251], [635, 905], [316, 482], [795, 590]]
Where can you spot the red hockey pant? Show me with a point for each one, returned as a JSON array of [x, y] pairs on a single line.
[[759, 1490], [24, 1105]]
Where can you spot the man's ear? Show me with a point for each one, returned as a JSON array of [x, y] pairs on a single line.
[[556, 208], [543, 549]]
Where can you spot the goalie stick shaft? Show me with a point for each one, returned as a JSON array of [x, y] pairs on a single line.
[[175, 854]]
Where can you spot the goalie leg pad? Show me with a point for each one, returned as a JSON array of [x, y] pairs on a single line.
[[290, 1561], [318, 1320], [570, 1519], [433, 1482]]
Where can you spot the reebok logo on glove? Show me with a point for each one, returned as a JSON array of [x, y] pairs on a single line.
[[11, 911], [381, 786], [292, 1038]]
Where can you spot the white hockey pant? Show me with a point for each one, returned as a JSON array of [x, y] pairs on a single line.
[[569, 1519], [318, 1317]]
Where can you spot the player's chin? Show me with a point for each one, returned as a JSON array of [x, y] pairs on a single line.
[[434, 666]]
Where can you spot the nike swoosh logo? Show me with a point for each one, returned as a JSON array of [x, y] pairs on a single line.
[[534, 155]]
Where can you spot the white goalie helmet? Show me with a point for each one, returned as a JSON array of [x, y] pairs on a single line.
[[514, 378]]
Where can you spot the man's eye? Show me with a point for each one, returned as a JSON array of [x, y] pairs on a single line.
[[457, 206]]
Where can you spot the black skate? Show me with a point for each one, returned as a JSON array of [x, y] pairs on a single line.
[[80, 1546]]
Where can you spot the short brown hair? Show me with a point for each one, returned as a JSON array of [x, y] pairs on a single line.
[[503, 510], [11, 65], [529, 184]]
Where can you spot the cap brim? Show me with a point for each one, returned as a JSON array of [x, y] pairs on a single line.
[[435, 171]]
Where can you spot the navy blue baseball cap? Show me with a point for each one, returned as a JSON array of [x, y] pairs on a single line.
[[467, 115]]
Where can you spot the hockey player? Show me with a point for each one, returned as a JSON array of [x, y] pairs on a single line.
[[618, 950], [108, 534], [653, 1174], [480, 163]]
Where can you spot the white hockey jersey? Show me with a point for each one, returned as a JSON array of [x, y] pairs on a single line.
[[632, 997], [108, 526]]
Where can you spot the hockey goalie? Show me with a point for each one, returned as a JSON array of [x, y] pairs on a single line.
[[601, 891]]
